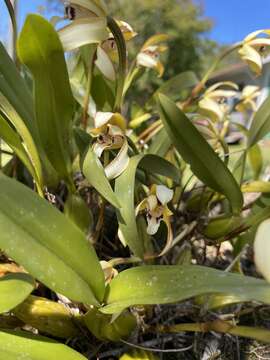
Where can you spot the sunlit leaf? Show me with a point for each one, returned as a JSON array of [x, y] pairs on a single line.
[[41, 239], [171, 284], [14, 289], [16, 345], [95, 174], [195, 150], [40, 49], [260, 125]]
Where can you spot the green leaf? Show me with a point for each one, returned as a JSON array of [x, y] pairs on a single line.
[[14, 289], [256, 160], [40, 49], [126, 215], [7, 111], [95, 174], [50, 247], [78, 212], [195, 150], [169, 284], [15, 345], [239, 168], [10, 137], [173, 87], [260, 125], [15, 90], [160, 144]]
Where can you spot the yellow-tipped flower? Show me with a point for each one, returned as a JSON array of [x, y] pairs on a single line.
[[109, 131], [248, 98], [214, 101], [157, 210], [149, 56], [254, 48]]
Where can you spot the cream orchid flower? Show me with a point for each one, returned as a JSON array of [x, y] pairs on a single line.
[[248, 98], [214, 101], [109, 131], [88, 23], [254, 49], [149, 56], [157, 210]]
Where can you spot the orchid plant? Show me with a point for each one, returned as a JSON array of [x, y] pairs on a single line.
[[88, 181]]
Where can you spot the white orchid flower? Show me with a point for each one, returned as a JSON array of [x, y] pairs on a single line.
[[248, 98], [88, 24], [149, 56], [254, 48], [214, 101], [157, 210], [109, 131]]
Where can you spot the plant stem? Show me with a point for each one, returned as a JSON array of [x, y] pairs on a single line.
[[122, 53]]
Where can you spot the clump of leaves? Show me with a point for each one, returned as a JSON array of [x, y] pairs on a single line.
[[106, 208]]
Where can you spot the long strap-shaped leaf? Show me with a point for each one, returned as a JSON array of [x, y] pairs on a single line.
[[8, 111], [260, 125], [15, 345], [9, 135], [15, 90], [170, 284], [40, 49], [195, 150], [14, 289], [95, 174], [124, 190], [47, 244]]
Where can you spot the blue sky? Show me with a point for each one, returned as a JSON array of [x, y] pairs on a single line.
[[233, 19]]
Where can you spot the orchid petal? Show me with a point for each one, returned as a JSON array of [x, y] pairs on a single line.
[[153, 224], [98, 7], [99, 148], [82, 32], [127, 30], [119, 163], [169, 240], [252, 57], [211, 108], [152, 202], [146, 60], [102, 118], [105, 65], [164, 194]]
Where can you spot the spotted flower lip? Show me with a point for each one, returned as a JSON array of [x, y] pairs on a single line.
[[213, 103], [254, 48], [157, 210], [109, 131]]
